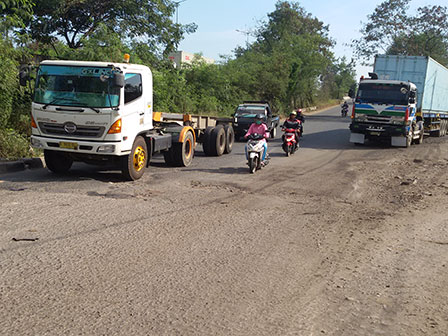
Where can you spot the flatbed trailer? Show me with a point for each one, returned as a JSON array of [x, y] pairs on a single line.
[[215, 134]]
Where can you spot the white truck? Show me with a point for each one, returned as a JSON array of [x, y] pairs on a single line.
[[98, 112]]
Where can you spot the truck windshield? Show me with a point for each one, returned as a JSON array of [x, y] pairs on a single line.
[[250, 110], [75, 86], [393, 94]]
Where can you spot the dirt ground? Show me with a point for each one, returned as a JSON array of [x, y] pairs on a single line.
[[350, 241]]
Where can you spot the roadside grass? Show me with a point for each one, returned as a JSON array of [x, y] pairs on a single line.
[[14, 145]]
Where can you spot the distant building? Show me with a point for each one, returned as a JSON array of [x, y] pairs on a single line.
[[181, 57]]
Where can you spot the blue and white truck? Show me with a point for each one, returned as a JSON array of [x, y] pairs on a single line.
[[405, 97]]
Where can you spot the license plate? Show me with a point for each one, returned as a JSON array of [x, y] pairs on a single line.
[[375, 133], [68, 145]]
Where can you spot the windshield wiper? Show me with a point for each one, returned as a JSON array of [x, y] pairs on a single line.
[[56, 99], [90, 107]]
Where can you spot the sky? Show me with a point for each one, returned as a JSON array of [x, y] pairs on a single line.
[[221, 24]]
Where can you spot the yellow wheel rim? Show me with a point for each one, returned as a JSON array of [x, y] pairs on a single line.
[[139, 158]]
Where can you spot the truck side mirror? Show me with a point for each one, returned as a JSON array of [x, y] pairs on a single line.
[[24, 76], [118, 80]]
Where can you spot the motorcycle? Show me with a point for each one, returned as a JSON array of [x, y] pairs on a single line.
[[254, 151], [290, 143], [344, 111]]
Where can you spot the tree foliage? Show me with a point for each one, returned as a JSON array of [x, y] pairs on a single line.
[[76, 20], [14, 13], [291, 51], [390, 29]]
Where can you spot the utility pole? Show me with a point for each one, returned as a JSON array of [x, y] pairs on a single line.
[[177, 3]]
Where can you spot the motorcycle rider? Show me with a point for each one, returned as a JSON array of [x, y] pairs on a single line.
[[294, 123], [344, 107], [258, 127], [301, 117]]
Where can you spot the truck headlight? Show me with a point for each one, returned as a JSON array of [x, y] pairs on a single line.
[[106, 149], [360, 117], [36, 143], [395, 120]]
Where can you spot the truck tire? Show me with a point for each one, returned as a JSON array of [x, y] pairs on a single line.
[[57, 162], [230, 138], [218, 141], [420, 125], [182, 153], [168, 157], [409, 138], [206, 141], [133, 165]]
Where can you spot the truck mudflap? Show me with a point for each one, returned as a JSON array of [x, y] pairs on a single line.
[[398, 141], [357, 138]]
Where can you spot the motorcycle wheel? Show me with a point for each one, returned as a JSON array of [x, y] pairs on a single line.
[[252, 165], [288, 150]]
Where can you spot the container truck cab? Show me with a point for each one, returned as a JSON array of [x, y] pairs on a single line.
[[99, 112], [405, 97], [386, 110]]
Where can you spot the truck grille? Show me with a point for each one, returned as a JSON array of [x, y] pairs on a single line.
[[379, 119], [81, 131]]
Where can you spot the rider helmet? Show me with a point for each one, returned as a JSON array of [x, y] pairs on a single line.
[[294, 113], [259, 119], [299, 111]]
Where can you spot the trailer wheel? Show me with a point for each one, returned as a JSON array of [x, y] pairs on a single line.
[[57, 162], [206, 141], [218, 141], [230, 139], [182, 153], [133, 165], [443, 127]]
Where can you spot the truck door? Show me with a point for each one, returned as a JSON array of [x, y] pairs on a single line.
[[133, 99]]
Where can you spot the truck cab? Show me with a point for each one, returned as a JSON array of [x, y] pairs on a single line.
[[386, 110], [99, 112]]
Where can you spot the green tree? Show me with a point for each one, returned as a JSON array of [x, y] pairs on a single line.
[[428, 35], [390, 29], [76, 20], [13, 13], [283, 65], [338, 79]]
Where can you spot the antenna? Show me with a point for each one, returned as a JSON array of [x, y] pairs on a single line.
[[246, 32]]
